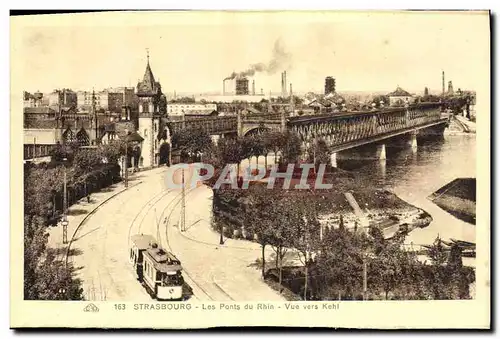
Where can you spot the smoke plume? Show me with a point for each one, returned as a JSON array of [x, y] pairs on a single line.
[[279, 59]]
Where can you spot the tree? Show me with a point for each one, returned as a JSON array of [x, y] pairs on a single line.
[[437, 253], [63, 151], [341, 263], [233, 152], [86, 160], [380, 98], [247, 147], [114, 150], [386, 267], [321, 153], [341, 223], [291, 147], [283, 219], [304, 237], [191, 142], [45, 277], [259, 214], [274, 142]]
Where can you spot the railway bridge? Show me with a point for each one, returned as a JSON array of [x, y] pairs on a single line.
[[342, 131]]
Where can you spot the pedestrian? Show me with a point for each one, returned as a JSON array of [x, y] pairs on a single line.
[[88, 198]]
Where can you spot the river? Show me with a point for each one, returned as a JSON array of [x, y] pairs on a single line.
[[415, 174]]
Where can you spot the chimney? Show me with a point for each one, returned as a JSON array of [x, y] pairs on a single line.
[[261, 91], [283, 93], [442, 83], [224, 87], [291, 91], [253, 87], [282, 83]]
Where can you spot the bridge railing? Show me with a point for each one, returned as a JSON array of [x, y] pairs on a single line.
[[263, 116], [212, 125], [32, 151], [346, 127]]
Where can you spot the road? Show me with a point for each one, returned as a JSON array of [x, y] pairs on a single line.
[[214, 272]]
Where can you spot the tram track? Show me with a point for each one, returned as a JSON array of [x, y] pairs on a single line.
[[168, 245], [103, 255], [148, 204]]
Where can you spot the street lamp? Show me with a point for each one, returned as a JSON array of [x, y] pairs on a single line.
[[64, 221]]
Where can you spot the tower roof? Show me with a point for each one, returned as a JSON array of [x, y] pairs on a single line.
[[399, 92], [148, 86]]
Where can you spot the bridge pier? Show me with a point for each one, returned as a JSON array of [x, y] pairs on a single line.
[[412, 142], [216, 138], [333, 159], [380, 152], [433, 132]]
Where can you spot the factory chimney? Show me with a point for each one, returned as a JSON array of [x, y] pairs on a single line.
[[283, 84], [224, 87], [442, 93], [262, 91], [253, 87]]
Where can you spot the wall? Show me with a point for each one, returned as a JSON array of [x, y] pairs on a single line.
[[40, 136], [176, 109], [231, 98], [394, 100]]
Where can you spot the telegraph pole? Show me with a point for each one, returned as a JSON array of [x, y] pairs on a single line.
[[65, 206], [126, 161]]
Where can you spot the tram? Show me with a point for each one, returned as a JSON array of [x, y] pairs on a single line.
[[158, 270]]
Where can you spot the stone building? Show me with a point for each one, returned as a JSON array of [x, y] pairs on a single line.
[[152, 119], [400, 97]]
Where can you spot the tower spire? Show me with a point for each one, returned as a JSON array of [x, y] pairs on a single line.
[[147, 54]]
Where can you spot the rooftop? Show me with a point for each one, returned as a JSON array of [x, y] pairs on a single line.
[[162, 260], [142, 241], [148, 86], [399, 92]]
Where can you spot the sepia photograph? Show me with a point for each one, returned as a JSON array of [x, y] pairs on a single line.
[[212, 165]]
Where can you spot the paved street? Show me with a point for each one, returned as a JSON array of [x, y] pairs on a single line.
[[101, 244]]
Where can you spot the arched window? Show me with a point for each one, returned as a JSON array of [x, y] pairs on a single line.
[[145, 132], [83, 138], [68, 136]]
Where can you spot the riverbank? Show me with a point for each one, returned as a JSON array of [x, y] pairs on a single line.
[[369, 207], [458, 198]]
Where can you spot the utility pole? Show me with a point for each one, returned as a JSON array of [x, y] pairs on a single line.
[[65, 206], [183, 205], [126, 161], [365, 282]]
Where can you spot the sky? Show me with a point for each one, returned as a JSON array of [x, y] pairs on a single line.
[[193, 52]]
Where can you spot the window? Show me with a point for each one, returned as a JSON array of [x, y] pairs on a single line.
[[145, 132]]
